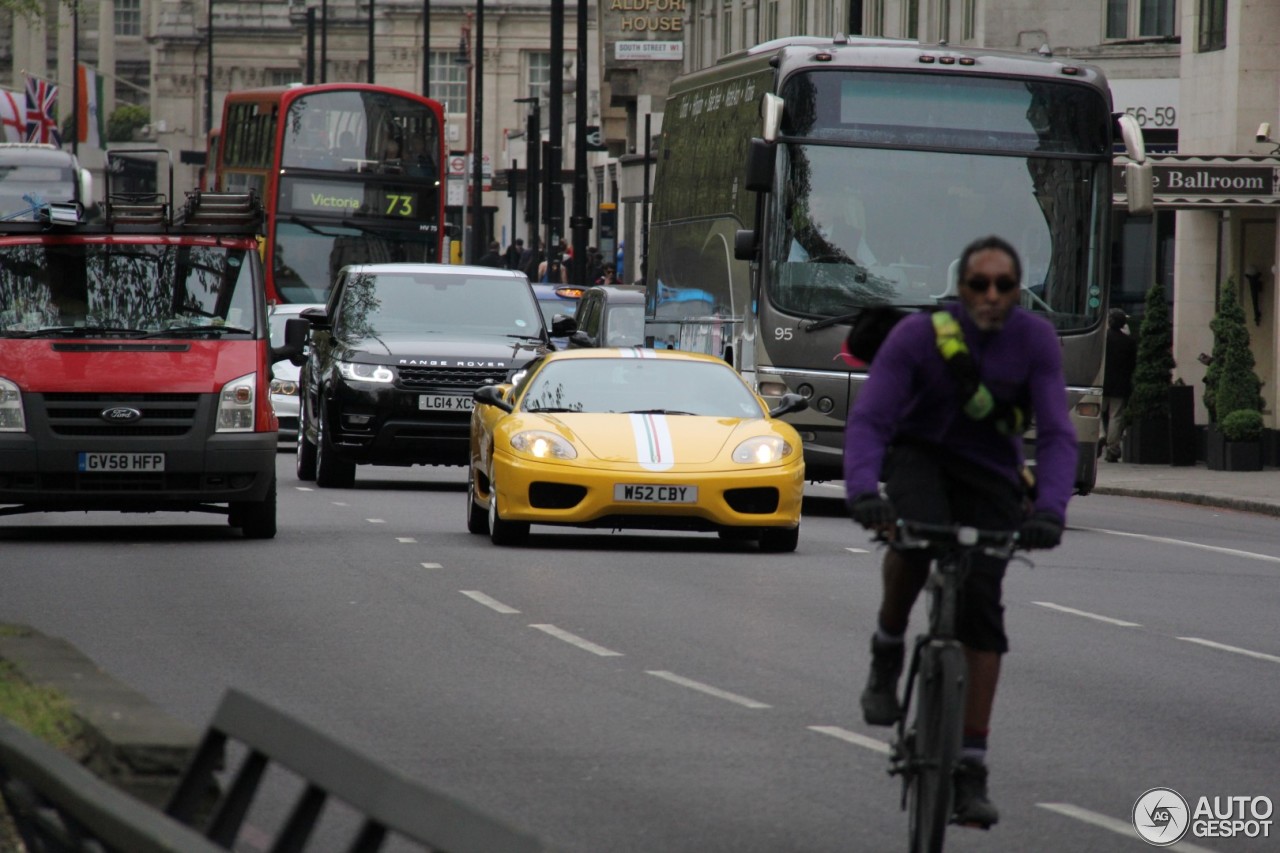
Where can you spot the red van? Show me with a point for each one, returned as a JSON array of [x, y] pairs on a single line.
[[135, 361]]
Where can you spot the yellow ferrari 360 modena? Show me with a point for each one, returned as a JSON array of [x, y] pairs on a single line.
[[638, 439]]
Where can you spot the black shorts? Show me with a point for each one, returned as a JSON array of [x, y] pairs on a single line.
[[928, 485]]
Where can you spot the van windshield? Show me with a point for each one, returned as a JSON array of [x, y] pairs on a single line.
[[111, 288]]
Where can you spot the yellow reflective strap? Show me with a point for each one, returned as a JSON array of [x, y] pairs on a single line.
[[948, 335]]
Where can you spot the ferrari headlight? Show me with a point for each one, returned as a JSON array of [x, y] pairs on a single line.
[[761, 450], [355, 372], [543, 445]]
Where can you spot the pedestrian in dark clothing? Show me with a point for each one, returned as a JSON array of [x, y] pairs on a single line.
[[1117, 380], [491, 258], [514, 251]]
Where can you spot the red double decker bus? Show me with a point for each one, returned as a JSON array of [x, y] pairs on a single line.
[[349, 173]]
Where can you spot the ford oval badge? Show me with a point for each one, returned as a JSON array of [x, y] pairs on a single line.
[[121, 415]]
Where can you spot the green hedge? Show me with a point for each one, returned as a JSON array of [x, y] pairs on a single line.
[[1153, 372]]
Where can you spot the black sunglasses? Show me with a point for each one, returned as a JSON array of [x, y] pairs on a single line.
[[981, 284]]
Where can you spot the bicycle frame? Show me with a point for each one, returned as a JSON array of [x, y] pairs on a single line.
[[927, 748]]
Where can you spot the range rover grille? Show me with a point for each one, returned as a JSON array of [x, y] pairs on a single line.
[[469, 378]]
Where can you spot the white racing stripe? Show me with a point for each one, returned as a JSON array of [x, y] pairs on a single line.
[[1234, 552], [652, 436], [1117, 826], [1247, 652], [853, 738], [706, 688], [1086, 614], [491, 603], [575, 640]]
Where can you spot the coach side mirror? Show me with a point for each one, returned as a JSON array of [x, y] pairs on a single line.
[[745, 245], [760, 159]]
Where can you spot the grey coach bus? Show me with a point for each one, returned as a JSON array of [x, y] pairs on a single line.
[[805, 179]]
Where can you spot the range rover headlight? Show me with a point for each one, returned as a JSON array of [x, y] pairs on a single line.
[[762, 450], [543, 445], [355, 372], [12, 418]]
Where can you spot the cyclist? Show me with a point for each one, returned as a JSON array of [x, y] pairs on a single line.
[[941, 416]]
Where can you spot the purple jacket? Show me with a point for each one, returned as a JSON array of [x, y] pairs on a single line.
[[910, 393]]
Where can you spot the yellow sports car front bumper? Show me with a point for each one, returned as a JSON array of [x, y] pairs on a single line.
[[684, 497]]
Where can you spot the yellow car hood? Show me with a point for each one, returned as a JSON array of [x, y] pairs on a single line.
[[655, 442]]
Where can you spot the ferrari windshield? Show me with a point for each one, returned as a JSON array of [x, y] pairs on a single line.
[[640, 385]]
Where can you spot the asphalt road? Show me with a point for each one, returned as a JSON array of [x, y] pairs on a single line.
[[613, 692]]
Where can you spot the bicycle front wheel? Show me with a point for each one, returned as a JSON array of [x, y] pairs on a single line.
[[936, 746]]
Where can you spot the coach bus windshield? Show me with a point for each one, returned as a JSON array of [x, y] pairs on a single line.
[[361, 131], [308, 255], [876, 205]]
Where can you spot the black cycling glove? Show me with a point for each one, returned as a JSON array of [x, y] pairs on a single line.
[[1041, 530], [871, 510]]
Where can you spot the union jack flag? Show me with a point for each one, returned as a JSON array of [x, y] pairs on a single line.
[[42, 102]]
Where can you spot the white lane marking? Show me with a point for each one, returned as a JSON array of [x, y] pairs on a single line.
[[304, 488], [1234, 552], [1086, 614], [375, 521], [706, 688], [1211, 644], [405, 539], [491, 603], [857, 550], [575, 640], [853, 738], [1117, 826], [837, 486], [341, 503], [432, 566]]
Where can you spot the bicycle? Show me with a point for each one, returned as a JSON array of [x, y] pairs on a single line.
[[926, 750]]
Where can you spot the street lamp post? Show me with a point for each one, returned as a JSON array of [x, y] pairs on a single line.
[[370, 61], [463, 58], [555, 128], [580, 221], [479, 241], [533, 154], [208, 68]]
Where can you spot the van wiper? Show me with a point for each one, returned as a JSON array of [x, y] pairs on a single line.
[[182, 331], [78, 331]]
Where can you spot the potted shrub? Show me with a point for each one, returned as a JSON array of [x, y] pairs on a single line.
[[1235, 438], [1147, 415]]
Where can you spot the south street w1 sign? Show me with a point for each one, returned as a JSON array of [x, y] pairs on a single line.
[[1183, 180]]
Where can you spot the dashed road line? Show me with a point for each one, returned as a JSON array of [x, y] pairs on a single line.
[[341, 503], [1217, 549], [857, 550], [1087, 615], [853, 738], [432, 566], [406, 539], [1110, 823], [304, 488], [1236, 649], [575, 640], [491, 603], [707, 689], [376, 520]]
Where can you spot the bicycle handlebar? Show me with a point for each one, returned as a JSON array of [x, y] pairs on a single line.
[[918, 534]]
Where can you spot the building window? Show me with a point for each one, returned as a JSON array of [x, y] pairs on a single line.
[[449, 81], [770, 19], [968, 23], [911, 26], [709, 46], [874, 18], [800, 17], [538, 69], [284, 76], [128, 17], [727, 44], [1129, 19], [1213, 25]]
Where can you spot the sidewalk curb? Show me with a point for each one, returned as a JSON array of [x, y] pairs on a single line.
[[1218, 501], [130, 742]]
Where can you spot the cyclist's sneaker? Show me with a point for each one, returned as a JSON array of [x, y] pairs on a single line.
[[880, 698], [972, 808]]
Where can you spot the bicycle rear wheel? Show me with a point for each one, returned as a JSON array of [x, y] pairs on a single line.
[[936, 744]]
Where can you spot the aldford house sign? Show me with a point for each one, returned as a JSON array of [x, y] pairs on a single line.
[[1183, 180]]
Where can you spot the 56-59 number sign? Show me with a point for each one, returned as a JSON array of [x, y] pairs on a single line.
[[1154, 116]]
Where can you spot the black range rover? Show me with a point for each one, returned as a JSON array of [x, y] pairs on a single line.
[[395, 356]]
